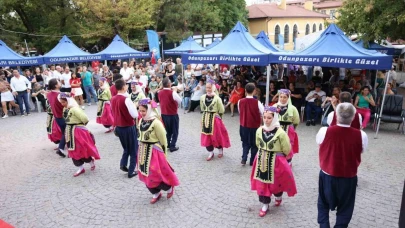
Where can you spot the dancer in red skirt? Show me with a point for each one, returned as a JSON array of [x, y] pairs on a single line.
[[289, 120], [79, 140], [153, 168], [271, 174], [104, 112], [213, 131], [53, 129]]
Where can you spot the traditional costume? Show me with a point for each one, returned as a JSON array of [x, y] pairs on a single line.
[[153, 168], [104, 112], [57, 111], [79, 140], [213, 131], [289, 120], [271, 174], [52, 127], [138, 94]]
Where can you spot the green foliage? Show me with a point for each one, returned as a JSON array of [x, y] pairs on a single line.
[[374, 19]]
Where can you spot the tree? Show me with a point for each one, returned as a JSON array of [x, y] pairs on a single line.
[[373, 19]]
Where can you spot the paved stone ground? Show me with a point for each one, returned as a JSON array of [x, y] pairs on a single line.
[[37, 188]]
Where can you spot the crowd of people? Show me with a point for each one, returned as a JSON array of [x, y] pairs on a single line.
[[139, 102]]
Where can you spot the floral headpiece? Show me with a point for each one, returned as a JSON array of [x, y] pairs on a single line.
[[136, 83], [285, 91], [66, 95], [211, 81], [148, 101], [103, 79], [271, 109]]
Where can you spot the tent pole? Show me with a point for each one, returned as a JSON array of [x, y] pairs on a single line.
[[375, 84], [267, 85], [28, 50], [382, 105]]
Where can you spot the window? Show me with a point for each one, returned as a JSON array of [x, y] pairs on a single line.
[[332, 14], [313, 28], [320, 27], [307, 29], [286, 34], [295, 32], [323, 11], [276, 33]]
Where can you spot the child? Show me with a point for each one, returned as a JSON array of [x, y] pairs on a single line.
[[153, 87]]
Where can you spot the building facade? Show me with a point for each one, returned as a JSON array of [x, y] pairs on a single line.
[[289, 20]]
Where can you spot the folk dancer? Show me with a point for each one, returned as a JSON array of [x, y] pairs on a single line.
[[251, 112], [137, 93], [340, 149], [169, 103], [289, 120], [153, 167], [271, 174], [80, 142], [57, 111], [124, 113], [52, 127], [104, 112], [344, 97], [213, 131]]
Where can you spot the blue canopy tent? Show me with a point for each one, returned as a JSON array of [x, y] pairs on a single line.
[[334, 49], [66, 51], [213, 44], [118, 49], [375, 46], [187, 46], [264, 40], [10, 58]]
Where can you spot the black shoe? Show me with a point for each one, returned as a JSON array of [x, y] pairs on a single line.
[[313, 122], [243, 162], [124, 168], [308, 123], [133, 174], [174, 149], [251, 163], [58, 152]]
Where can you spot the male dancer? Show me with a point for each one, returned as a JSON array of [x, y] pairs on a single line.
[[124, 113], [250, 111], [57, 110], [344, 97], [169, 102], [340, 148]]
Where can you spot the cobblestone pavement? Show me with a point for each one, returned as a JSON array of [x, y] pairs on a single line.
[[37, 188]]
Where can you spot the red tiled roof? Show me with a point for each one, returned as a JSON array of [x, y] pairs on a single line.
[[301, 1], [271, 10], [329, 4]]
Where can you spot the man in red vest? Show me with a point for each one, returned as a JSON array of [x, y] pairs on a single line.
[[124, 113], [250, 111], [345, 97], [169, 103], [340, 148]]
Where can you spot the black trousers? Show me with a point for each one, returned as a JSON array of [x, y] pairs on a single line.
[[171, 123], [267, 199], [162, 186], [193, 105], [81, 161], [129, 143], [248, 138], [336, 193]]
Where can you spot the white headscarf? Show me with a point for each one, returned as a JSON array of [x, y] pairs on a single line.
[[105, 83], [213, 87], [286, 92], [152, 111], [274, 123], [70, 100]]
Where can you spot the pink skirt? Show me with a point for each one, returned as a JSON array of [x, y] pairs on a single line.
[[219, 138], [292, 134], [106, 117], [159, 171], [56, 133], [85, 145], [283, 179]]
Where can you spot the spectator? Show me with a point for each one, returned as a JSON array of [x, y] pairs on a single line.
[[21, 87], [56, 72], [6, 96], [188, 73], [364, 81], [30, 77], [75, 83], [170, 72], [179, 67], [393, 77], [296, 96], [38, 76], [237, 93], [224, 92], [107, 74], [362, 104], [197, 70], [87, 80], [38, 93], [96, 78], [380, 80], [198, 91], [65, 79], [314, 99], [127, 74], [153, 87]]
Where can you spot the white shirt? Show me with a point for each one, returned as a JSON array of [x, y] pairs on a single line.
[[393, 76], [197, 73], [320, 93], [322, 132], [198, 93], [342, 73], [260, 105], [127, 74], [66, 79], [188, 74], [176, 97], [330, 118], [56, 75], [20, 84], [130, 105], [225, 75], [144, 80]]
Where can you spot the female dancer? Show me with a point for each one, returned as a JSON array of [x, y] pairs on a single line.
[[104, 112], [79, 140], [154, 169], [271, 174], [289, 120], [137, 93], [237, 93], [53, 129], [213, 131]]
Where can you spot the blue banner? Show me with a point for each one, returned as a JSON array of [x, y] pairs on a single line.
[[281, 41], [153, 40]]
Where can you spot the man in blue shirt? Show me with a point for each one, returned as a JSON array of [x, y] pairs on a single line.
[[87, 81]]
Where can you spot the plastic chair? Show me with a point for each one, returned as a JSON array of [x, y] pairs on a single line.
[[392, 112]]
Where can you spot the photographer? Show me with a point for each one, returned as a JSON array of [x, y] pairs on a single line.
[[314, 99]]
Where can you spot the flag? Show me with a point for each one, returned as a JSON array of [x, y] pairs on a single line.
[[281, 41], [153, 40]]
